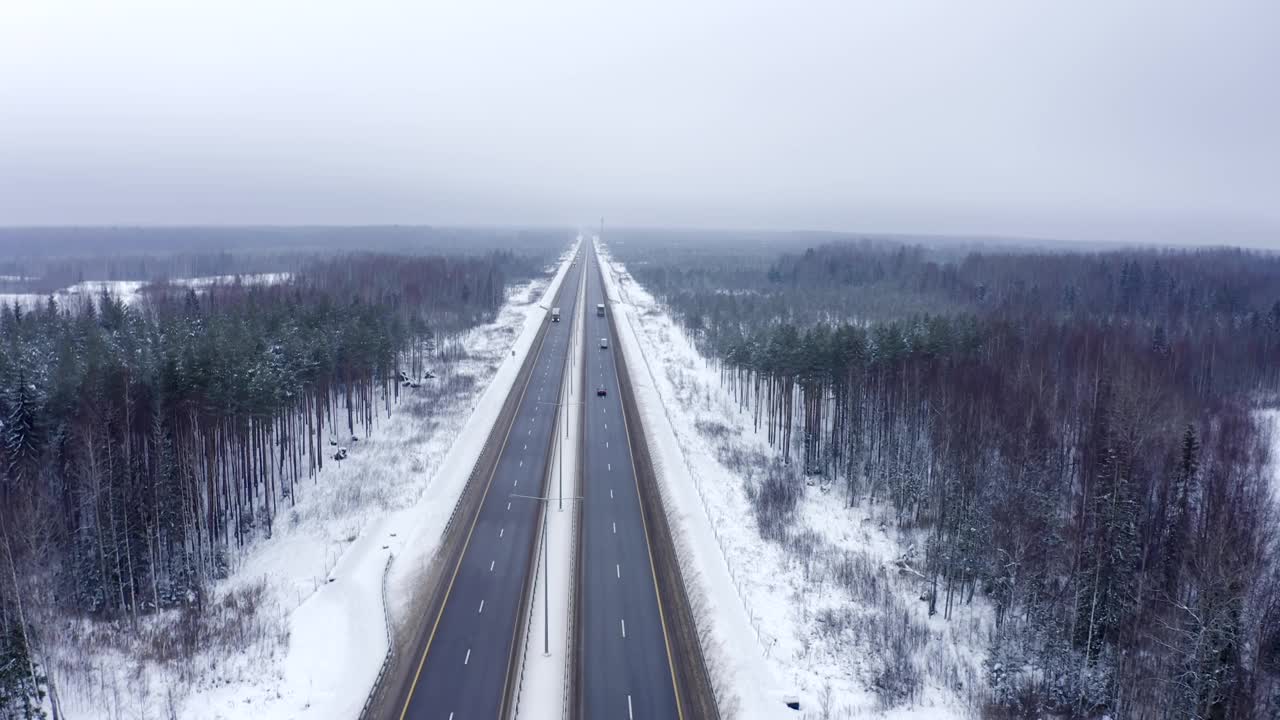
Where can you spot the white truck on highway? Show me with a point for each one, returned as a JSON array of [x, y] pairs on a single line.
[[555, 314]]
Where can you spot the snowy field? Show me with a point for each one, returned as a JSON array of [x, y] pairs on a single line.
[[307, 607], [832, 615], [131, 292], [254, 279]]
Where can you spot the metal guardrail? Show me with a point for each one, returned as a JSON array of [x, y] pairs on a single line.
[[386, 659], [528, 623], [571, 627]]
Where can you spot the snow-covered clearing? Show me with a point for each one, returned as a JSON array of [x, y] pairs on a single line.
[[307, 606], [131, 292], [252, 279], [825, 615]]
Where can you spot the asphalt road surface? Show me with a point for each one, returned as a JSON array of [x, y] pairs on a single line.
[[626, 669], [464, 668]]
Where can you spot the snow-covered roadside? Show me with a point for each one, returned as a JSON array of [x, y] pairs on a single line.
[[543, 692], [781, 622], [319, 581]]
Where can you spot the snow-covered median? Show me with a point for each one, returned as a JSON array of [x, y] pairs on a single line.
[[315, 634], [823, 616]]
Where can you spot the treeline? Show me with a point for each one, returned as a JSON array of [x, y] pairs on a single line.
[[46, 259], [718, 295], [49, 275], [1078, 444], [142, 445]]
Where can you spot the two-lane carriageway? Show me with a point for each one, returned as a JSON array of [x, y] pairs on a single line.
[[465, 670], [624, 652]]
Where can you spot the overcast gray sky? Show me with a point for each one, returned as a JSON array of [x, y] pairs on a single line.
[[1094, 119]]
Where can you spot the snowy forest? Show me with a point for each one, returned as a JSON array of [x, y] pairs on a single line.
[[1076, 433], [144, 443]]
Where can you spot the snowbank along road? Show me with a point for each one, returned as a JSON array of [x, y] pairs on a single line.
[[464, 670]]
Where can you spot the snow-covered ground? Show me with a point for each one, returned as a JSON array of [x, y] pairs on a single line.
[[1271, 424], [310, 601], [131, 291], [818, 623], [253, 279]]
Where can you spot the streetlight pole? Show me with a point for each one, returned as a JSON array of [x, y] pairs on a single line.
[[560, 444], [546, 571]]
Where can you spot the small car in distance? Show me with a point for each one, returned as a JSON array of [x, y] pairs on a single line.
[[604, 343], [601, 392]]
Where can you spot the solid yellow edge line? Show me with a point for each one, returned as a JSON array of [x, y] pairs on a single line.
[[488, 484], [662, 618]]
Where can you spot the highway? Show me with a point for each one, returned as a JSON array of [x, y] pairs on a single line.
[[463, 669], [625, 668]]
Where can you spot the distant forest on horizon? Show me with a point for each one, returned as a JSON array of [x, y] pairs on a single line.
[[45, 259]]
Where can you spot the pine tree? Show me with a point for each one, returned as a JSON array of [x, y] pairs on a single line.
[[22, 685], [22, 432]]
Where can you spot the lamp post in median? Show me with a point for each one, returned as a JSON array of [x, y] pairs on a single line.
[[560, 444], [546, 570]]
